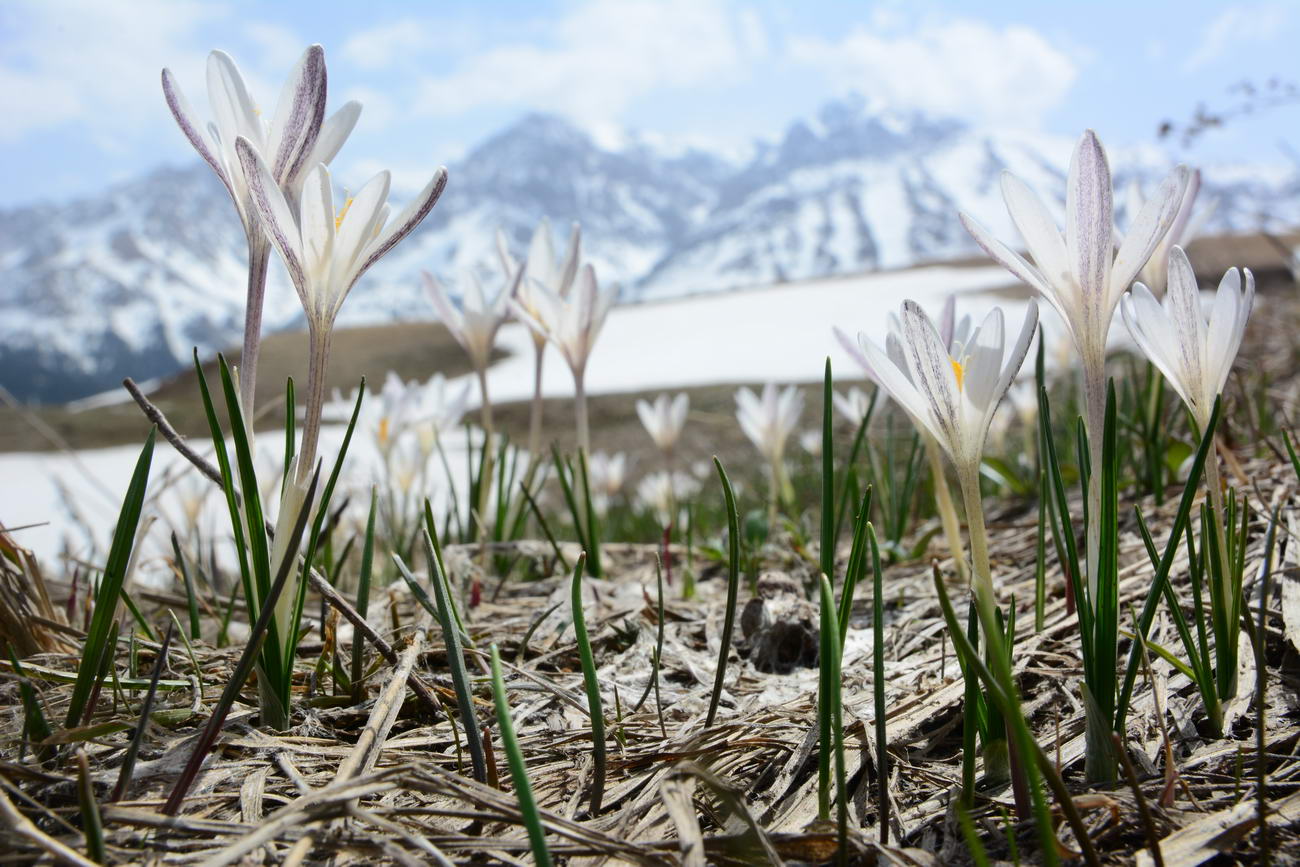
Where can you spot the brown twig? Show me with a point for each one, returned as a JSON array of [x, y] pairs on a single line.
[[318, 583], [1144, 811]]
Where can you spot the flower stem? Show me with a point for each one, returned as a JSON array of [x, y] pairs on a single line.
[[1094, 400], [947, 511], [318, 361], [535, 415], [982, 582], [485, 470], [580, 411], [259, 252], [1226, 644]]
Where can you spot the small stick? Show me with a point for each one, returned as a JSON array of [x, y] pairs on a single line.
[[23, 827], [1144, 811], [318, 583]]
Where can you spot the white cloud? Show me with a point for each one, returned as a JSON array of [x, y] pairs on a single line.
[[379, 47], [91, 60], [1011, 75], [603, 56], [1235, 28]]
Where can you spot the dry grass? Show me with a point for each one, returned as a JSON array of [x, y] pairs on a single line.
[[385, 781]]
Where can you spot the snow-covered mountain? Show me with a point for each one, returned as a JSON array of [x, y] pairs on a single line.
[[127, 282]]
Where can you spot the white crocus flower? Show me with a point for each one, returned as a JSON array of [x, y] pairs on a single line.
[[953, 334], [854, 403], [1082, 275], [951, 392], [605, 476], [660, 492], [326, 250], [1194, 354], [768, 421], [572, 323], [543, 270], [474, 325], [295, 138], [437, 408], [664, 419], [475, 321], [953, 395], [1186, 226]]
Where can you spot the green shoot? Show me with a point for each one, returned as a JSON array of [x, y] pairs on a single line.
[[518, 771], [733, 587], [592, 683]]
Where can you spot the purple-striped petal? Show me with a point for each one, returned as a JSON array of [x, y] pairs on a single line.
[[275, 216], [1146, 229], [408, 219], [298, 116], [1090, 225]]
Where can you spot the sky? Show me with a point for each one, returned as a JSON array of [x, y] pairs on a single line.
[[79, 79]]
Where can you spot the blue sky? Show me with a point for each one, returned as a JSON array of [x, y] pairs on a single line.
[[79, 78]]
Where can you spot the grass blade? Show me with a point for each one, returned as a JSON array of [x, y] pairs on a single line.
[[91, 822], [95, 647], [592, 684], [191, 597], [455, 659], [257, 638], [363, 602], [733, 587], [137, 738], [828, 479], [878, 685], [518, 771]]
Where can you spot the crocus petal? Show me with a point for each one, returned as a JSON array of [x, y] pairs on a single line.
[[1006, 257], [316, 216], [234, 111], [851, 347], [541, 256], [677, 412], [190, 126], [647, 415], [447, 311], [983, 362], [1153, 332], [275, 215], [359, 225], [298, 115], [896, 382], [1227, 327], [1183, 300], [569, 270], [408, 219], [931, 368], [1011, 366], [334, 132], [1038, 228], [1089, 224], [508, 263], [1146, 230]]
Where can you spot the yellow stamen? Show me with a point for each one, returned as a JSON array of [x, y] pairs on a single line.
[[383, 423], [343, 212], [959, 371]]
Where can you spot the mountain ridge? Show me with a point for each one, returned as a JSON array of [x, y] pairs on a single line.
[[126, 282]]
